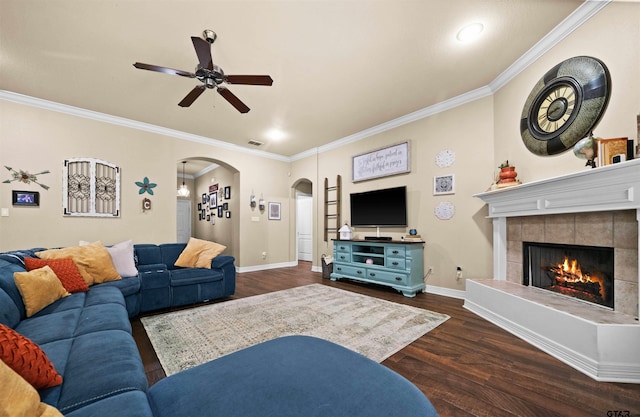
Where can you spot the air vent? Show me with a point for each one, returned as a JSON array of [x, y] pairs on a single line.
[[255, 143]]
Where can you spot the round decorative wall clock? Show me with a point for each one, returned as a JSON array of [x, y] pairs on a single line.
[[565, 105], [444, 210], [445, 158]]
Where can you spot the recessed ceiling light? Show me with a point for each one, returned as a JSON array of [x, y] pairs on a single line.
[[470, 32]]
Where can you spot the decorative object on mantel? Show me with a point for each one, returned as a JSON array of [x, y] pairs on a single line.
[[506, 176], [413, 236], [391, 160], [587, 149], [25, 177], [612, 151], [565, 105], [146, 186]]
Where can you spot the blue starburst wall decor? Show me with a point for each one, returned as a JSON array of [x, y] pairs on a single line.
[[146, 186]]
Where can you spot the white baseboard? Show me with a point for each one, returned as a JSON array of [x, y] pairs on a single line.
[[264, 267], [447, 292]]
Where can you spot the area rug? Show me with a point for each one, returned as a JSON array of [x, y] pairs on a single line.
[[373, 327]]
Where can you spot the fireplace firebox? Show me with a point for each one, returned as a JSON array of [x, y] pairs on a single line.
[[581, 272]]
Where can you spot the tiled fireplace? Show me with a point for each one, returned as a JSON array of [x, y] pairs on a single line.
[[582, 311]]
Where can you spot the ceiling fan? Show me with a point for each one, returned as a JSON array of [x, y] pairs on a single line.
[[210, 75]]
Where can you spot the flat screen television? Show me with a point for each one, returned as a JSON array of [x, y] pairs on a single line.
[[380, 208]]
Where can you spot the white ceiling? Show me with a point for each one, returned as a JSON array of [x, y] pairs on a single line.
[[339, 67]]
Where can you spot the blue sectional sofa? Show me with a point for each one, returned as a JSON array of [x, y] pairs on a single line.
[[87, 336]]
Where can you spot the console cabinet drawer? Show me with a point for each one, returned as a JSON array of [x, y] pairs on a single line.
[[339, 268], [390, 277]]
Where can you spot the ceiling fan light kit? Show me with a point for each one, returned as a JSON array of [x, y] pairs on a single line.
[[211, 76]]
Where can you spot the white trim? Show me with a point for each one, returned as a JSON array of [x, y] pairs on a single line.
[[133, 124], [586, 11], [255, 268], [446, 292]]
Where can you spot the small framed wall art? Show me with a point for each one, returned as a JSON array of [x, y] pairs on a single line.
[[274, 211], [25, 198], [444, 184]]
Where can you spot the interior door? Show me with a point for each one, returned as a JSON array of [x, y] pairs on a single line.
[[304, 227], [184, 221]]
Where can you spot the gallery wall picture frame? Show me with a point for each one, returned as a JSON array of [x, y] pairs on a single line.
[[220, 211], [227, 192], [383, 162], [274, 211], [227, 214], [225, 206], [25, 198], [213, 200], [444, 184], [199, 206], [205, 198]]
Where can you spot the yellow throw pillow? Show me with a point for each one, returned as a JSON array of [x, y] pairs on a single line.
[[92, 259], [19, 399], [198, 253], [39, 288]]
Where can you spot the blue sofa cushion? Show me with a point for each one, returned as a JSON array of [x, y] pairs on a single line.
[[289, 377], [170, 253], [100, 365], [126, 404], [190, 276], [9, 313], [147, 254], [126, 285], [8, 285]]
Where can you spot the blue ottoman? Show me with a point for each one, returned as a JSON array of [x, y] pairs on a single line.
[[293, 376]]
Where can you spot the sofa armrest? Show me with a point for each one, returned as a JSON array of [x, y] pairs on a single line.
[[221, 260]]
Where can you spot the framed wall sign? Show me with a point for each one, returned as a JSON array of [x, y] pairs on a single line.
[[25, 198], [391, 160]]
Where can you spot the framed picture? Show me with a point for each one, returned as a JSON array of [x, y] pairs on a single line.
[[208, 218], [25, 198], [444, 184], [392, 160], [205, 198], [227, 192], [203, 213], [213, 200], [220, 211], [199, 216], [199, 206], [274, 211], [213, 218], [213, 188], [225, 206], [227, 214]]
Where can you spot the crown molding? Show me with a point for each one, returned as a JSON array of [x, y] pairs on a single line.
[[132, 124], [582, 14]]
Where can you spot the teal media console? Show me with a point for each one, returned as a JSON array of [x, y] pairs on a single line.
[[397, 264]]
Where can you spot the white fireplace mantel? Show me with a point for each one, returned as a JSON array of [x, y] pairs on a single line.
[[613, 187], [581, 343]]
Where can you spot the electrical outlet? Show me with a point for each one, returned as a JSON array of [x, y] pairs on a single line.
[[264, 255], [458, 273]]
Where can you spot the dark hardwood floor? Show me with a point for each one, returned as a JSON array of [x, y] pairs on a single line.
[[467, 366]]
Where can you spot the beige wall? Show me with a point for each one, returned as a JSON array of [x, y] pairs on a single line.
[[482, 133], [611, 36]]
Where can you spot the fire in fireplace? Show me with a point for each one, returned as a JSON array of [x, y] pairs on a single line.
[[582, 272]]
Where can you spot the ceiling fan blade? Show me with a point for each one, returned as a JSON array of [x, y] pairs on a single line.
[[235, 101], [192, 96], [203, 50], [166, 70], [249, 79]]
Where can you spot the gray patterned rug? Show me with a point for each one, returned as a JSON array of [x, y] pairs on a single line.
[[373, 327]]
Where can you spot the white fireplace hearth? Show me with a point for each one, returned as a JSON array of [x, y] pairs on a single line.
[[596, 207]]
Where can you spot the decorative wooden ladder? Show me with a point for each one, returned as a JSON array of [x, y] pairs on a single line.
[[332, 217]]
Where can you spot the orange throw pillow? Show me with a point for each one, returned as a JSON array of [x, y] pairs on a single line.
[[65, 269], [27, 359]]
